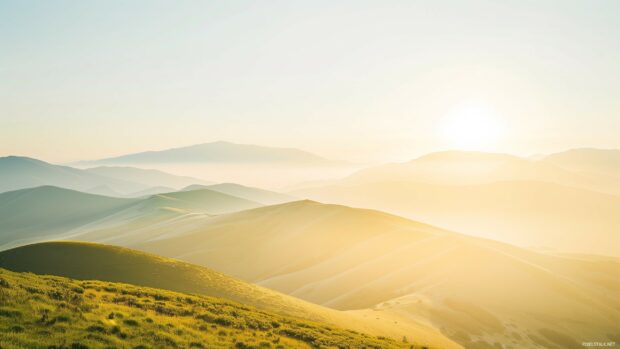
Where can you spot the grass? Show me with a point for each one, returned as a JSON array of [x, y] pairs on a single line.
[[88, 261], [54, 312]]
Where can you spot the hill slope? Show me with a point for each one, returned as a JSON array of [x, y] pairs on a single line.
[[44, 213], [37, 213], [527, 213], [601, 161], [283, 238], [84, 261], [202, 200], [55, 312], [266, 197], [150, 191], [22, 172], [478, 292], [102, 262]]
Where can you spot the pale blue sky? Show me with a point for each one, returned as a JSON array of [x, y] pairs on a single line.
[[362, 80]]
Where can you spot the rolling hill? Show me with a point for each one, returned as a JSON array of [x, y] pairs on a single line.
[[28, 215], [477, 292], [218, 152], [588, 160], [55, 312], [21, 172], [45, 213], [202, 200], [84, 261], [380, 267], [534, 203], [266, 197], [385, 269], [150, 191], [527, 213]]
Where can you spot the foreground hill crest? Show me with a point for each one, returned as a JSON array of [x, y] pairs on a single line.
[[88, 261], [55, 312]]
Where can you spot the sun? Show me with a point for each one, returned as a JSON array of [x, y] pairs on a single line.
[[471, 127]]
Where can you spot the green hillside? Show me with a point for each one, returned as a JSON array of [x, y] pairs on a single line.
[[47, 212], [30, 214], [262, 196], [55, 312], [477, 292], [206, 200], [86, 261]]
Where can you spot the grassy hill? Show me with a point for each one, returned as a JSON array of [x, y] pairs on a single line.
[[204, 200], [85, 261], [55, 312], [34, 214], [44, 213], [385, 273], [478, 292], [265, 242], [262, 196]]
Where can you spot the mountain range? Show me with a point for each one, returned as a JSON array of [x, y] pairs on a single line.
[[363, 272], [22, 172], [41, 213], [218, 152], [528, 202], [442, 285], [470, 168], [478, 292]]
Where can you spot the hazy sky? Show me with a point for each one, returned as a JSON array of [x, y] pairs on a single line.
[[363, 80]]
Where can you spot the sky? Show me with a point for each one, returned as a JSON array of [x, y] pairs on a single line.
[[359, 80]]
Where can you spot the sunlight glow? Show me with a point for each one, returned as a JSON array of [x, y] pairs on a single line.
[[471, 127]]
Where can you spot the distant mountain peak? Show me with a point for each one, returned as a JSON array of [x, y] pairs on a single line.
[[21, 159], [219, 152]]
